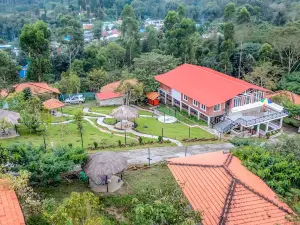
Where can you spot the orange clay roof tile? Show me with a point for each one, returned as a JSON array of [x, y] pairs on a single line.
[[10, 210], [52, 104], [225, 192]]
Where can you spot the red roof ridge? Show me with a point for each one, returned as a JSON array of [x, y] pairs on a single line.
[[237, 180], [224, 76], [231, 189]]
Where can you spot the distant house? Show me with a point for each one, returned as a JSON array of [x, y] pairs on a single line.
[[23, 72], [107, 95], [10, 210], [35, 88], [225, 192], [294, 98], [224, 102]]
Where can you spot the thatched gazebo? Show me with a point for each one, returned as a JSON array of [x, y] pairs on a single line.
[[101, 168], [13, 119], [124, 112], [10, 116]]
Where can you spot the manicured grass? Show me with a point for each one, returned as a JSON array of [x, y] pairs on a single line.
[[58, 119], [176, 130], [110, 121], [146, 113], [182, 116], [103, 109], [72, 109], [65, 134]]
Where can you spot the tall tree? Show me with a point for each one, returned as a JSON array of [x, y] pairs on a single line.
[[97, 78], [9, 70], [129, 30], [70, 35], [266, 75], [35, 42], [285, 40], [179, 32], [229, 11], [243, 16]]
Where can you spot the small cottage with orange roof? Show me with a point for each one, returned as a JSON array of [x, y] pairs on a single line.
[[107, 95], [225, 192], [10, 210]]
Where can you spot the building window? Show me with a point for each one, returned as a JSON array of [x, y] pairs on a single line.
[[247, 99], [185, 98], [195, 103], [217, 108], [203, 107], [237, 101]]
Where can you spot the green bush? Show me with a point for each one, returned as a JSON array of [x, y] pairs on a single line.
[[244, 142], [278, 165], [44, 166], [83, 177]]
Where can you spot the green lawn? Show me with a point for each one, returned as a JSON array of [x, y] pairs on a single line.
[[103, 109], [182, 116], [65, 134], [110, 121], [59, 119], [176, 130], [146, 113]]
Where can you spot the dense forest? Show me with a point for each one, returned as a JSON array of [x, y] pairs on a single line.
[[250, 39]]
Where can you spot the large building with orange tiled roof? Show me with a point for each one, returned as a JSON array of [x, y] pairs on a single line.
[[225, 192], [36, 88], [10, 210], [226, 103]]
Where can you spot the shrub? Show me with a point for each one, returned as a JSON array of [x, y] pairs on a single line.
[[160, 139], [83, 177], [95, 145], [140, 140], [119, 143]]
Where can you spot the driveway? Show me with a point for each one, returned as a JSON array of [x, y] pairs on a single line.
[[139, 156]]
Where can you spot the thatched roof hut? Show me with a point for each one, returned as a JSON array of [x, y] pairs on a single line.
[[103, 164], [9, 116], [125, 112]]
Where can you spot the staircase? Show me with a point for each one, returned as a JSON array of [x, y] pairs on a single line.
[[225, 125]]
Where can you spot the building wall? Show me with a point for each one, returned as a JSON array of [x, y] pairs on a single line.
[[112, 101], [165, 88], [209, 110]]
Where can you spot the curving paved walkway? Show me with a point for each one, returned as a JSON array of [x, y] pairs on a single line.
[[100, 121]]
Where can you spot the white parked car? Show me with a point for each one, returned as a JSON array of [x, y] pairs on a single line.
[[76, 99]]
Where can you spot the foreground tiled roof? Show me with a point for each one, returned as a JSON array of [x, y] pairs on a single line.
[[53, 104], [290, 95], [111, 87], [108, 95], [225, 192], [36, 88], [10, 210], [207, 86]]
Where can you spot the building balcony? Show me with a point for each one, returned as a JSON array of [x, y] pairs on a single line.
[[256, 113]]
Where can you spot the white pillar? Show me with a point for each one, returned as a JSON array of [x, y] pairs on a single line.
[[180, 105], [257, 129], [165, 98], [208, 120], [198, 115], [267, 127], [172, 101], [189, 109], [280, 125]]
